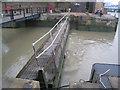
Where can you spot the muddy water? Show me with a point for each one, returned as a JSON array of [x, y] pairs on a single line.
[[85, 48], [17, 47]]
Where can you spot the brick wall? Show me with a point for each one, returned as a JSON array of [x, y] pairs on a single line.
[[26, 4], [80, 8], [99, 5], [93, 7]]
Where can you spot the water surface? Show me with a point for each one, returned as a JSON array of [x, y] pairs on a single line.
[[84, 48], [17, 47]]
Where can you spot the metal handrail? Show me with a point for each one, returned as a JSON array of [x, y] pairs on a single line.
[[53, 40], [49, 32]]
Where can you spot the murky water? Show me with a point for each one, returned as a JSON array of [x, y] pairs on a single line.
[[85, 48], [17, 47]]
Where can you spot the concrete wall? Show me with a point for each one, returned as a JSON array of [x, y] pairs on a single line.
[[91, 7], [85, 23]]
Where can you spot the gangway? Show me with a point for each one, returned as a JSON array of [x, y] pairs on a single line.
[[46, 63]]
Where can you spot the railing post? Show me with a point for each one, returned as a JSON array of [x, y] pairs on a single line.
[[28, 10], [40, 10], [20, 11], [31, 11], [5, 7], [24, 12], [20, 8], [43, 10], [46, 9], [53, 44], [37, 10], [52, 41], [11, 14], [35, 55]]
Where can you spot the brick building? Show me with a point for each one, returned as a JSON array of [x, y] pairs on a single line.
[[78, 7], [99, 5], [91, 7], [24, 4]]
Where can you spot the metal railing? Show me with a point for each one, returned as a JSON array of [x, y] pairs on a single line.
[[52, 40], [48, 55], [54, 64], [12, 13]]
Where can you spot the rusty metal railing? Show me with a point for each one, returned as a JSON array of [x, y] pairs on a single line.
[[53, 51], [21, 12], [50, 33], [52, 67]]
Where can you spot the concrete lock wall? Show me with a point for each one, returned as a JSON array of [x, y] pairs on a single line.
[[85, 23]]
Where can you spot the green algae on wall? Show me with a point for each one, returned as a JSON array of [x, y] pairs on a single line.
[[85, 23]]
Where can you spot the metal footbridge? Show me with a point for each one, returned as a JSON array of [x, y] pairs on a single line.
[[13, 15], [46, 63]]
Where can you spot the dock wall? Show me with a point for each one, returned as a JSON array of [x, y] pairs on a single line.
[[78, 22], [99, 24], [84, 22]]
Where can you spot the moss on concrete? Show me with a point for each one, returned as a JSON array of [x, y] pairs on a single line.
[[93, 24]]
